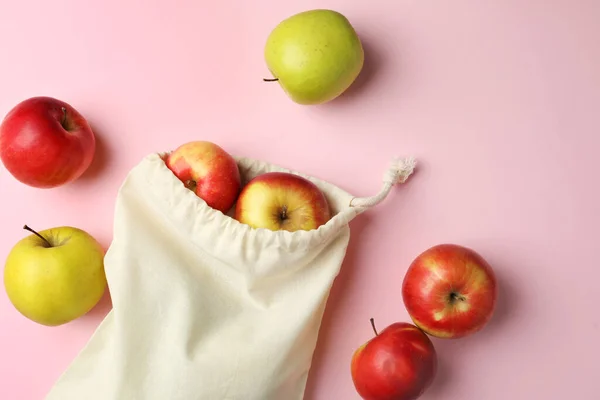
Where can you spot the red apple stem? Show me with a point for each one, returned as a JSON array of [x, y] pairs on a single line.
[[373, 325], [270, 79], [38, 235], [64, 120], [454, 297]]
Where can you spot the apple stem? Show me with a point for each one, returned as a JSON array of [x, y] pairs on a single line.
[[38, 235], [270, 79], [373, 325], [454, 297], [64, 120]]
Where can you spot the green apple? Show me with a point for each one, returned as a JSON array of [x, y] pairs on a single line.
[[55, 276], [315, 55]]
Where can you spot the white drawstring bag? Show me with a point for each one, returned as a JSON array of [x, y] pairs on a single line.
[[207, 308]]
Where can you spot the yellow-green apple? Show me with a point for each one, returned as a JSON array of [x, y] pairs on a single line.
[[45, 142], [450, 291], [56, 275], [209, 171], [399, 363], [282, 201], [315, 55]]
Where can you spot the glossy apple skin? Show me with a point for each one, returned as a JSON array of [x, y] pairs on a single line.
[[450, 291], [208, 170], [400, 363], [45, 142], [282, 201]]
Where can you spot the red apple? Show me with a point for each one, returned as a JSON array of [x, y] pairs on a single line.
[[209, 171], [399, 363], [450, 291], [282, 201], [44, 142]]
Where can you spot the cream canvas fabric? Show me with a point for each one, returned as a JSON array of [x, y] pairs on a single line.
[[204, 307]]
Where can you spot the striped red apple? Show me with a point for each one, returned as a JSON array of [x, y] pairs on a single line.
[[450, 291], [209, 171], [398, 363]]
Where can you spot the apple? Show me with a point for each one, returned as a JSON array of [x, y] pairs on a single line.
[[399, 363], [56, 275], [45, 142], [314, 55], [450, 291], [209, 171], [282, 201]]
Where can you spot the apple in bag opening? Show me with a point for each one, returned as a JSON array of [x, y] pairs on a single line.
[[209, 171], [282, 201]]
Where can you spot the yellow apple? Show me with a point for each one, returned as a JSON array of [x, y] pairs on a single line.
[[56, 275], [282, 201]]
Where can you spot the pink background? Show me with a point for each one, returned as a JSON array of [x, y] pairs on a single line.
[[497, 99]]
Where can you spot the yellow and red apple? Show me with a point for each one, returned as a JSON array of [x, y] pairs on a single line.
[[399, 363], [209, 171], [450, 291], [45, 142], [282, 201]]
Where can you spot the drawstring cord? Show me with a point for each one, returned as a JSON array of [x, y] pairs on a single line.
[[398, 172]]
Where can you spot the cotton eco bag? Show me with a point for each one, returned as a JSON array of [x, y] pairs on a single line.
[[207, 308]]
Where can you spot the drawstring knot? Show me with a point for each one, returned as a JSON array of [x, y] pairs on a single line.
[[398, 172]]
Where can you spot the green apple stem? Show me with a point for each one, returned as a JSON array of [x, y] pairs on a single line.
[[270, 79], [373, 325], [38, 235]]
